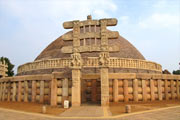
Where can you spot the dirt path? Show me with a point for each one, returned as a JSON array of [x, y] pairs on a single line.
[[119, 108], [31, 107]]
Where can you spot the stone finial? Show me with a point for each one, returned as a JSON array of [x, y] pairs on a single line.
[[89, 17]]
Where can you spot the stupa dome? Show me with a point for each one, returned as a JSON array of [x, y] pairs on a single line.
[[90, 44], [127, 50]]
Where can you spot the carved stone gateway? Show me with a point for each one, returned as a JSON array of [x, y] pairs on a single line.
[[76, 36]]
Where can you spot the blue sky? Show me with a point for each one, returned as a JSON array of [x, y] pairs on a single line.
[[152, 26]]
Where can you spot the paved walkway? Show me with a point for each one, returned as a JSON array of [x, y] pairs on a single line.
[[172, 113], [87, 111]]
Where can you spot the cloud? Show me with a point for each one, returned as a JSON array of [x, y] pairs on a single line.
[[161, 20]]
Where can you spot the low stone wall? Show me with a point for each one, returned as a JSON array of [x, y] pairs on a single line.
[[123, 87], [143, 87], [36, 88]]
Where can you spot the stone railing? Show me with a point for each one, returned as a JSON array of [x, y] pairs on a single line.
[[3, 69], [143, 87], [124, 87], [48, 88], [91, 62]]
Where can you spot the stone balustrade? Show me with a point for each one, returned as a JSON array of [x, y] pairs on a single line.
[[123, 87], [91, 62], [3, 69], [48, 88]]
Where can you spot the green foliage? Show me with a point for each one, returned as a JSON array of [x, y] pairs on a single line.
[[10, 71], [176, 72]]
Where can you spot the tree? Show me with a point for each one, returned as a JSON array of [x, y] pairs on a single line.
[[10, 71], [176, 72]]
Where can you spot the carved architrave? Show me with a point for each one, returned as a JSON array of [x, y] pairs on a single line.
[[110, 35], [92, 48]]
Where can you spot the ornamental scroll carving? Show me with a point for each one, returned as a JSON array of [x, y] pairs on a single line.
[[76, 61], [104, 59]]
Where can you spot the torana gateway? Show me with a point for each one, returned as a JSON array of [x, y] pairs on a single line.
[[90, 64]]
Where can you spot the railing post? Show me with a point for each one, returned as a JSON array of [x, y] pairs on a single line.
[[14, 92], [8, 90], [41, 91], [19, 91], [159, 89], [135, 90], [166, 90], [152, 89], [25, 91], [172, 89], [126, 96], [1, 91], [53, 91], [115, 90], [144, 90], [64, 90], [177, 89], [33, 91]]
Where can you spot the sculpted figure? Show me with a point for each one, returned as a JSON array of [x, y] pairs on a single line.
[[76, 60], [104, 59]]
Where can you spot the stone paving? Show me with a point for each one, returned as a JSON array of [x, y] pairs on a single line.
[[163, 114], [84, 111]]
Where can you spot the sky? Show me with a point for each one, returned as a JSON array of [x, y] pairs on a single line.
[[152, 26]]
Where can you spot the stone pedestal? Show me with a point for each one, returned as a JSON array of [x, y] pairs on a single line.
[[104, 86], [76, 87]]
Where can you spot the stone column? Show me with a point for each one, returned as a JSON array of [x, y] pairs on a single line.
[[76, 87], [104, 86]]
